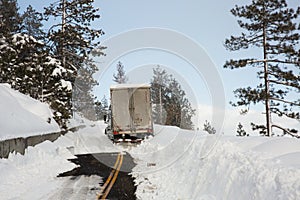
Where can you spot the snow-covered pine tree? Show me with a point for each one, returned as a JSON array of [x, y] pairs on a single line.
[[71, 41], [28, 53], [83, 99], [171, 106], [31, 53], [10, 20], [120, 77], [59, 95], [39, 75], [178, 108], [98, 110], [26, 63], [101, 108], [104, 106], [10, 23], [269, 26], [173, 102], [159, 84], [7, 60], [187, 113], [209, 128]]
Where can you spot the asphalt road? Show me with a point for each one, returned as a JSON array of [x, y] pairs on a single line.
[[101, 164]]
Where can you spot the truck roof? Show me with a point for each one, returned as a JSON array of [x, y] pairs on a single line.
[[124, 86]]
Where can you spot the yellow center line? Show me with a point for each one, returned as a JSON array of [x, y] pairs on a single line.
[[114, 179], [109, 177]]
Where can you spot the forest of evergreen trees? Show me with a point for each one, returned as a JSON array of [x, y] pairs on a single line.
[[51, 64]]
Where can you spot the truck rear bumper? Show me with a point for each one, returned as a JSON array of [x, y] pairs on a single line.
[[132, 135]]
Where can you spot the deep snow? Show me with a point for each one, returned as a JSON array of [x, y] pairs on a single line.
[[174, 164], [22, 116], [218, 167], [33, 176]]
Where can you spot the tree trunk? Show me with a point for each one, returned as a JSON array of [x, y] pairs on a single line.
[[266, 79], [160, 106], [63, 23]]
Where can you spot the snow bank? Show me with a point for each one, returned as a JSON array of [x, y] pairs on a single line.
[[217, 167], [174, 164], [22, 115], [91, 140], [34, 175]]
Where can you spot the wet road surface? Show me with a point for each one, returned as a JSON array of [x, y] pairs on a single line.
[[101, 164]]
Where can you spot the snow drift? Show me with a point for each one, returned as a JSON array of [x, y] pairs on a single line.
[[22, 115], [174, 164], [217, 167], [33, 175]]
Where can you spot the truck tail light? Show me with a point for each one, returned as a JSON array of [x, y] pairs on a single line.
[[116, 132]]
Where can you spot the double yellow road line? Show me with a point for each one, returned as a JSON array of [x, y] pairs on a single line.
[[105, 189]]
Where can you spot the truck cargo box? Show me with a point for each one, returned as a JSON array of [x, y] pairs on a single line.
[[131, 111]]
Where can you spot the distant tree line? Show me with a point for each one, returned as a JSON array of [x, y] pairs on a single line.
[[51, 65], [170, 103]]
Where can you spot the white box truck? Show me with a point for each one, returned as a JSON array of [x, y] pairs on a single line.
[[131, 112]]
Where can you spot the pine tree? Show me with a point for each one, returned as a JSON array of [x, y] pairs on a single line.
[[73, 39], [7, 60], [170, 105], [10, 23], [10, 20], [158, 89], [32, 23], [31, 54], [83, 98], [104, 104], [39, 75], [209, 128], [28, 53], [102, 108], [120, 77], [71, 42], [26, 64], [270, 27], [240, 131], [98, 110]]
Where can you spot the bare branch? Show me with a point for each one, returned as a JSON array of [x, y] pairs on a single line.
[[286, 84], [287, 131], [272, 61], [284, 101]]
